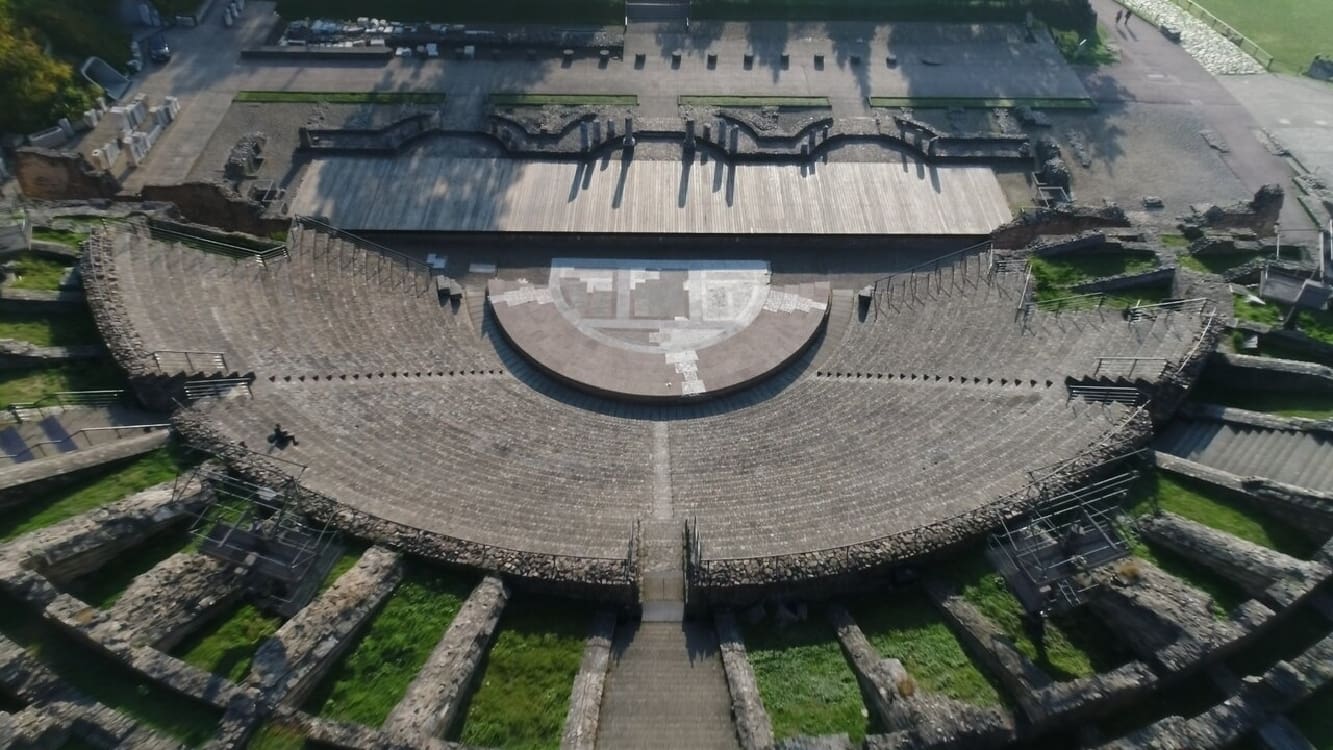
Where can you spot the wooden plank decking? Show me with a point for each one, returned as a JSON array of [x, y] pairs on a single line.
[[428, 192]]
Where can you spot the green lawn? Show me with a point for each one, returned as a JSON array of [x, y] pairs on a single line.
[[277, 737], [909, 629], [1286, 404], [50, 329], [1217, 509], [105, 679], [523, 693], [120, 480], [226, 646], [1094, 53], [754, 101], [1269, 314], [103, 586], [339, 97], [1214, 263], [1059, 273], [946, 102], [343, 564], [805, 681], [1288, 639], [70, 237], [1075, 645], [1293, 31], [541, 100], [40, 272], [374, 674], [461, 11], [1317, 324], [26, 386], [1314, 717]]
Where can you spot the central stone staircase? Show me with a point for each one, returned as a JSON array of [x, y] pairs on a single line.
[[1300, 458], [666, 689]]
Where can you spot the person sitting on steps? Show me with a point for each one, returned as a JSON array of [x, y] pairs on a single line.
[[281, 438]]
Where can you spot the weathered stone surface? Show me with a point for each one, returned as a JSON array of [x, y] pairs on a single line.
[[1262, 572], [1256, 418], [1169, 622], [1045, 702], [177, 596], [1258, 215], [1155, 277], [15, 354], [753, 727], [287, 665], [348, 736], [920, 720], [440, 690], [585, 703], [820, 742], [81, 544], [18, 475], [1066, 220], [1266, 373]]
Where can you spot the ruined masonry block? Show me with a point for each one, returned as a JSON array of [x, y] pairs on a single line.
[[753, 726], [179, 595], [433, 700], [289, 664]]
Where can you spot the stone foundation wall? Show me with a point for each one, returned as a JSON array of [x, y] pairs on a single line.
[[747, 707], [44, 174], [1035, 222], [1267, 374], [217, 205], [1305, 510], [585, 703]]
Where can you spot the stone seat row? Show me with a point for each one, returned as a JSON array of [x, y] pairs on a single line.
[[326, 309]]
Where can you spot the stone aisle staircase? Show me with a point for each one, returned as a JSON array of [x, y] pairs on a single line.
[[666, 689], [53, 432], [1301, 458]]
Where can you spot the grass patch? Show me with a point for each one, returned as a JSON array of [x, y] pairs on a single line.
[[1292, 31], [26, 386], [343, 564], [38, 272], [1288, 639], [50, 329], [754, 101], [1226, 595], [603, 12], [1173, 239], [71, 237], [123, 479], [947, 102], [277, 737], [806, 684], [1308, 405], [542, 100], [526, 680], [1270, 314], [1217, 509], [102, 587], [339, 97], [1218, 263], [1075, 645], [370, 679], [909, 629], [1187, 699], [1314, 717], [1278, 349], [1061, 272], [105, 679], [1317, 324], [227, 645], [1074, 50]]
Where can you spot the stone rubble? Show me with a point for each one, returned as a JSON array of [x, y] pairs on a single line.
[[177, 596], [1217, 54]]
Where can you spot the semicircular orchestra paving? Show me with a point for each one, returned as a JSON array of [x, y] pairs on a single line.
[[909, 423], [656, 330]]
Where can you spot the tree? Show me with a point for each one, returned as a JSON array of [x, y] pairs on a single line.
[[35, 89]]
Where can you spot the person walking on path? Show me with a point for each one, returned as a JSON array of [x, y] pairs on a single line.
[[1128, 15], [1119, 14]]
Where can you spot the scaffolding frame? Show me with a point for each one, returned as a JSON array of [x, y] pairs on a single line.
[[1046, 555], [260, 528]]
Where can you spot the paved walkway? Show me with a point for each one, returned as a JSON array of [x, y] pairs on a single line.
[[666, 690]]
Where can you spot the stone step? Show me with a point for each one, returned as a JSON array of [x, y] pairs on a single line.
[[665, 689]]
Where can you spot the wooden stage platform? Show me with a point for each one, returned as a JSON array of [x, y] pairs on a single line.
[[421, 191]]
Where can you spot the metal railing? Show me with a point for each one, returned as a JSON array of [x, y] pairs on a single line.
[[181, 361], [413, 269], [1246, 44], [1129, 366], [1201, 305], [1106, 394], [220, 388], [956, 262], [261, 256], [1089, 301], [1209, 321], [87, 433], [65, 400]]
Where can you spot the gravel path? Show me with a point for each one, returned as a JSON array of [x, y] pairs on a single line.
[[1214, 51]]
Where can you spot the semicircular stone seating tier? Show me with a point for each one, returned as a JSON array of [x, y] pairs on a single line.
[[917, 414]]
